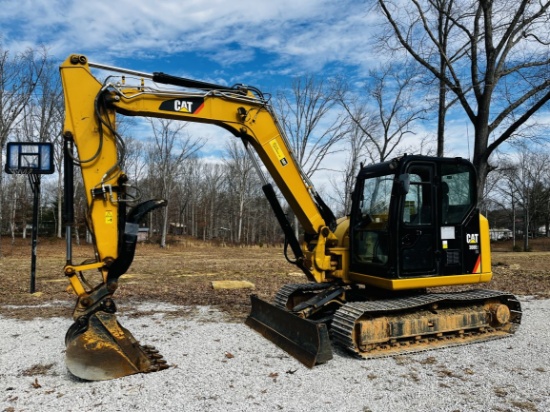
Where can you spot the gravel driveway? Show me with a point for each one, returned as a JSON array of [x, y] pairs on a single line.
[[222, 366]]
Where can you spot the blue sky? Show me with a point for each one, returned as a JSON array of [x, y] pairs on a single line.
[[259, 42], [263, 43]]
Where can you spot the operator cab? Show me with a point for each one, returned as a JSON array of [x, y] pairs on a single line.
[[414, 217]]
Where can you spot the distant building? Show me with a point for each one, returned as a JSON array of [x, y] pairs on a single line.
[[177, 228], [500, 234], [143, 234]]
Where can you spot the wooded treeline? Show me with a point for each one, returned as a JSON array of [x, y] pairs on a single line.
[[446, 62]]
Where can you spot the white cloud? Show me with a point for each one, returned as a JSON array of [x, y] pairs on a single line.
[[305, 33], [270, 38]]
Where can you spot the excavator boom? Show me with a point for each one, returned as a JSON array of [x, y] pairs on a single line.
[[98, 347]]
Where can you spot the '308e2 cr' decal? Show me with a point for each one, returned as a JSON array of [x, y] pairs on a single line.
[[473, 241]]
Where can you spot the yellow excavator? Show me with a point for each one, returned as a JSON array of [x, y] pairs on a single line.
[[414, 226]]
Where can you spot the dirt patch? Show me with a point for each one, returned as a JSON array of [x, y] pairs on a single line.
[[183, 273]]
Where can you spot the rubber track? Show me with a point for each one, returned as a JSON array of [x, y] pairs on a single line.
[[346, 317], [283, 295]]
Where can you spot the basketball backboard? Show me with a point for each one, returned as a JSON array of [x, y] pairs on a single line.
[[29, 158]]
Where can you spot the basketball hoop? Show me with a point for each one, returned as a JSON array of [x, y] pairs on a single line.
[[18, 172], [31, 159]]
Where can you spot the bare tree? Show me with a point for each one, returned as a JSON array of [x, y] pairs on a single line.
[[42, 121], [343, 183], [309, 121], [522, 180], [311, 124], [211, 202], [19, 75], [134, 161], [496, 65], [240, 178], [443, 27], [192, 188], [170, 148], [380, 116], [386, 123], [504, 193], [17, 203]]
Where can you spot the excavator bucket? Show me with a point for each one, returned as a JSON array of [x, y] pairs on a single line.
[[99, 348], [303, 339]]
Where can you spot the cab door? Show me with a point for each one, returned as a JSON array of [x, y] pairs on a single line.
[[417, 235]]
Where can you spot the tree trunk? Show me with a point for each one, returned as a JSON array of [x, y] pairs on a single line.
[[525, 229], [480, 159], [441, 118], [240, 220], [164, 227], [60, 208]]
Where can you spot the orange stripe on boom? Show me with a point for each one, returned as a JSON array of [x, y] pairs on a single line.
[[198, 109]]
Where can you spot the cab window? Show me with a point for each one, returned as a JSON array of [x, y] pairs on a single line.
[[418, 201], [458, 195], [371, 233]]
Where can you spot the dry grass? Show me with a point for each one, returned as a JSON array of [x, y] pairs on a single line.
[[38, 369], [183, 273], [180, 274]]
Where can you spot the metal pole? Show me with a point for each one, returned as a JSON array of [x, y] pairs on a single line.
[[35, 184], [68, 194]]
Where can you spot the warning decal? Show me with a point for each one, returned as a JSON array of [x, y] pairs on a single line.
[[278, 152]]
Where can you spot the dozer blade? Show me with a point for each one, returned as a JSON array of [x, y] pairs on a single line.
[[101, 349], [303, 339]]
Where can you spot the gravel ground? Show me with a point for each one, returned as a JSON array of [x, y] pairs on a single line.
[[222, 366]]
